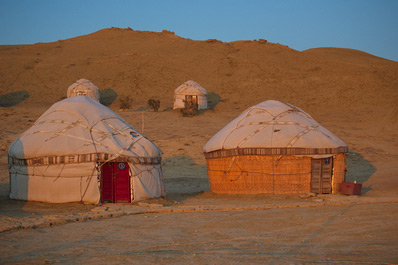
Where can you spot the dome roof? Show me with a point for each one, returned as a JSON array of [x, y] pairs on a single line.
[[190, 87], [275, 127], [81, 125]]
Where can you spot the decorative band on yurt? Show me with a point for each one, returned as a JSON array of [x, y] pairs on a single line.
[[275, 151], [81, 158]]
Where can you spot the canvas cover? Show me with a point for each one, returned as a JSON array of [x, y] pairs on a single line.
[[83, 87], [59, 158], [190, 88], [274, 128]]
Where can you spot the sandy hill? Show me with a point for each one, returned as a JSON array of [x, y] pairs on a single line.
[[151, 65]]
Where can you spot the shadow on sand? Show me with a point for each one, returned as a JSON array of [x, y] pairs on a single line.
[[183, 178], [212, 100], [14, 98], [17, 208], [359, 169]]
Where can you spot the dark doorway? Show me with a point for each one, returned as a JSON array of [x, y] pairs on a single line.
[[115, 182], [193, 99], [321, 175]]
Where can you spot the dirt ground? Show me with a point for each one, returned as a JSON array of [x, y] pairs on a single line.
[[353, 234], [352, 94]]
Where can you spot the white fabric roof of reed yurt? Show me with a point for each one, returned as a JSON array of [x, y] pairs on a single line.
[[274, 124]]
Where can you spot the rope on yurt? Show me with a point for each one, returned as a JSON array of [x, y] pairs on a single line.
[[273, 165], [89, 181], [59, 175], [229, 169], [275, 121], [241, 171], [260, 173], [97, 165]]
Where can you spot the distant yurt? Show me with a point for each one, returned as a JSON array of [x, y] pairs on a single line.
[[81, 151], [83, 87], [190, 91], [276, 148]]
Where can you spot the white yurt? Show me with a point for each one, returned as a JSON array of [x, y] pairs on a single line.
[[83, 87], [81, 151], [274, 147], [190, 91]]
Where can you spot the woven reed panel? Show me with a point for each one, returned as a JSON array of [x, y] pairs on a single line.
[[338, 172], [260, 174]]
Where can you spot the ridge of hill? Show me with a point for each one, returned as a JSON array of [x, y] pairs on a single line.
[[147, 65]]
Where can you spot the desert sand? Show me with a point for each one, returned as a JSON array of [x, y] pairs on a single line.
[[351, 93]]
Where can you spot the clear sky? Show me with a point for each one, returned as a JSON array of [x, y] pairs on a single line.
[[367, 25]]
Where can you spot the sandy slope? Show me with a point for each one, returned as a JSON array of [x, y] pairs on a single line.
[[351, 93]]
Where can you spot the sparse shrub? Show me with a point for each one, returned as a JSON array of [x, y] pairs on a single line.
[[107, 96], [154, 104], [190, 109], [125, 102]]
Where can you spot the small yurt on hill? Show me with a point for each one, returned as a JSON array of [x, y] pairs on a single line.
[[190, 91], [83, 87], [277, 148], [81, 151]]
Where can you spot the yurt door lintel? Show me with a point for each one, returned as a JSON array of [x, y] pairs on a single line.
[[115, 182]]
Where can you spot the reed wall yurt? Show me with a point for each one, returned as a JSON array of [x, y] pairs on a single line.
[[83, 87], [81, 151], [190, 91], [276, 148]]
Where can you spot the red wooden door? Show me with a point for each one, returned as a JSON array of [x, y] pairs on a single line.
[[115, 182], [122, 186], [107, 182]]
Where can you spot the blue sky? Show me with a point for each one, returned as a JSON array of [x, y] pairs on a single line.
[[367, 25]]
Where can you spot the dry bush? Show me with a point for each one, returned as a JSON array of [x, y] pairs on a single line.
[[190, 109], [125, 102], [154, 104]]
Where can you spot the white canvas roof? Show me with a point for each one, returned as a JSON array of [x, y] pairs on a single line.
[[79, 125], [83, 87], [275, 126], [56, 159], [190, 88]]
